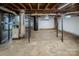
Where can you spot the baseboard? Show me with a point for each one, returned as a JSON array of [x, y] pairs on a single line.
[[47, 29], [70, 33]]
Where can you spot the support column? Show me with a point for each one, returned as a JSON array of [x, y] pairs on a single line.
[[22, 27], [35, 23], [29, 30], [17, 20], [0, 27], [9, 26], [56, 25], [62, 34]]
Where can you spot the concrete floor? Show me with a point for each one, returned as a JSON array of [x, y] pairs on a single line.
[[43, 43]]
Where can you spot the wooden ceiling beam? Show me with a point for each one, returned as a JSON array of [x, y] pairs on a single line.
[[22, 5], [7, 10], [38, 6], [54, 7], [46, 6], [41, 11], [30, 6], [15, 6], [71, 7], [10, 7], [35, 10]]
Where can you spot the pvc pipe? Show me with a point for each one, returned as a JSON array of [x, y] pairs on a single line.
[[7, 10]]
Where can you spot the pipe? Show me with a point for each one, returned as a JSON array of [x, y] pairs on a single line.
[[76, 12], [7, 10], [54, 13], [42, 14], [63, 6]]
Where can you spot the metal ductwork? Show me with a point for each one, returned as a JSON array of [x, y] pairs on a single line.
[[7, 10]]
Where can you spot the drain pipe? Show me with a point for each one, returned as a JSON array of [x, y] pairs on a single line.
[[7, 10]]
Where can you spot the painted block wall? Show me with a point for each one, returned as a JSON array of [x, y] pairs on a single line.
[[45, 23], [70, 24]]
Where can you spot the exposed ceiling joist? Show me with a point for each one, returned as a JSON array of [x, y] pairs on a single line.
[[38, 6], [54, 7], [42, 8], [22, 5], [7, 10], [10, 7], [71, 7], [30, 6], [61, 7], [46, 6], [15, 6]]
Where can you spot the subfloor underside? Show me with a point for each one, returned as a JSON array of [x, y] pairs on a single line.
[[43, 43]]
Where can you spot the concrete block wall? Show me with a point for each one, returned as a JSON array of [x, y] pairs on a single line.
[[70, 24], [45, 23]]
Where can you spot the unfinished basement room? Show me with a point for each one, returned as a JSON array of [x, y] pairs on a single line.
[[39, 29]]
